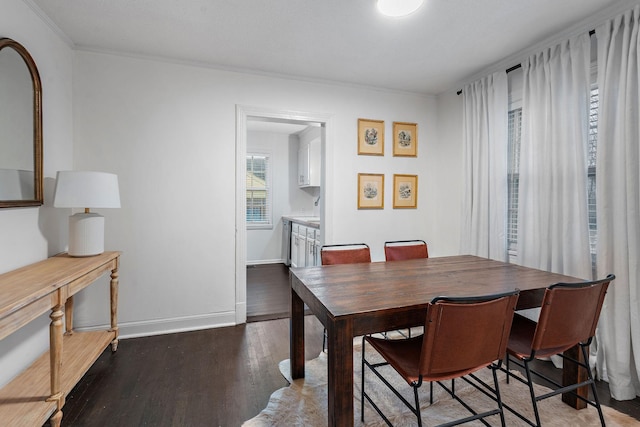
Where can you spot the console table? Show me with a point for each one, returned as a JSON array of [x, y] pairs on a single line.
[[39, 392]]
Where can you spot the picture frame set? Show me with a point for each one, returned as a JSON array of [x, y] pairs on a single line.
[[371, 186]]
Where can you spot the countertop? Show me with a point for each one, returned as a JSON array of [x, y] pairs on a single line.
[[309, 221]]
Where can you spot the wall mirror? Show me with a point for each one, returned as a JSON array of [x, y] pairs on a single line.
[[20, 127]]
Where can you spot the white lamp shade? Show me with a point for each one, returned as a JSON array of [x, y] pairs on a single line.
[[86, 190], [77, 189]]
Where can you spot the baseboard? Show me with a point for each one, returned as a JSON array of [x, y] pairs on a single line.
[[266, 261], [148, 328]]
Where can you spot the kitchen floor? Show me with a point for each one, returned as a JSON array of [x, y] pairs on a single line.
[[267, 292]]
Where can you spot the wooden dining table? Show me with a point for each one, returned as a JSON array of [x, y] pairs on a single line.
[[356, 299]]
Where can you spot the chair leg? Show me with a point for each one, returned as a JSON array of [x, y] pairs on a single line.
[[415, 393], [362, 384], [596, 400], [531, 392], [324, 340], [494, 371]]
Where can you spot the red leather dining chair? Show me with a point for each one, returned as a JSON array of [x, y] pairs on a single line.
[[461, 336], [397, 250], [345, 253], [568, 317]]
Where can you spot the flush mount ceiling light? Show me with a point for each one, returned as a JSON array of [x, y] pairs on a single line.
[[398, 7]]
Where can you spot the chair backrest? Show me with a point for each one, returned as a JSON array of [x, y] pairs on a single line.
[[348, 253], [399, 250], [569, 315], [465, 334]]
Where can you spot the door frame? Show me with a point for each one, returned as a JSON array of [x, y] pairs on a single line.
[[244, 113]]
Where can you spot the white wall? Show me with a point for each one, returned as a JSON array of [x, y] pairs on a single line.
[[446, 185], [28, 235], [168, 131]]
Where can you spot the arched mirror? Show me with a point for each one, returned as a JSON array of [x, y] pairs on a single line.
[[20, 127]]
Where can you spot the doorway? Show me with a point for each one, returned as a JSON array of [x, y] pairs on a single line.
[[247, 117]]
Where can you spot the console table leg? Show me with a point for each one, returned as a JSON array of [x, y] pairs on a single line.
[[114, 306], [56, 419], [68, 316], [55, 359]]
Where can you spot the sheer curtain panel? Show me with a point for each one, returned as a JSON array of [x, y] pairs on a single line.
[[553, 232], [618, 201], [484, 202]]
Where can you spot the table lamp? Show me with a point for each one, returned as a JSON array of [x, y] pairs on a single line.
[[75, 189]]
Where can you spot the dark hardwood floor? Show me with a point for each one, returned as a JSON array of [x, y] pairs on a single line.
[[214, 377], [267, 292]]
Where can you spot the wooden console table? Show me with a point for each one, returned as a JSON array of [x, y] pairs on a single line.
[[25, 294]]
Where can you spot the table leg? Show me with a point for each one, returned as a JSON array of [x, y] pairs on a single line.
[[68, 316], [340, 372], [114, 305], [296, 341], [55, 359], [573, 374]]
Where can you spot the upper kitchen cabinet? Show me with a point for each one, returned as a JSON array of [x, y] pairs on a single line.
[[309, 157]]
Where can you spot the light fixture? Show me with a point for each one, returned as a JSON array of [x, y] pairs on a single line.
[[86, 190], [398, 7]]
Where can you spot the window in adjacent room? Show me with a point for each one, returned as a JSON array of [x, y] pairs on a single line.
[[259, 192]]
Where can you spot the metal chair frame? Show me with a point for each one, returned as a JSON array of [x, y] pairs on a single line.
[[524, 361], [492, 392]]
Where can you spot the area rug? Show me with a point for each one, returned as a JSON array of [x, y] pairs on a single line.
[[304, 402]]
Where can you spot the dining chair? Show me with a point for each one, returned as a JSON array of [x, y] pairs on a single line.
[[343, 253], [568, 317], [397, 250], [461, 336]]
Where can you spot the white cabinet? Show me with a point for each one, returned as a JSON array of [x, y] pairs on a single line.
[[305, 245], [295, 244], [309, 163]]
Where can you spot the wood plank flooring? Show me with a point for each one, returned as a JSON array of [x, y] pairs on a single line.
[[214, 377], [267, 292]]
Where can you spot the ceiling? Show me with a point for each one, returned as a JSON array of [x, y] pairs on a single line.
[[428, 52]]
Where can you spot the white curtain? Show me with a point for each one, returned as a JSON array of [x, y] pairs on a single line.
[[618, 201], [553, 233], [484, 156]]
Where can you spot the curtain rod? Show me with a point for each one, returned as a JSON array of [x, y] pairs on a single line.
[[515, 67]]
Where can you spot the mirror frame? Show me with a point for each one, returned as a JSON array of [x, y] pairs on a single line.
[[37, 127]]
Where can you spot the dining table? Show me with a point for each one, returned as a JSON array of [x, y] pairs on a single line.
[[351, 300]]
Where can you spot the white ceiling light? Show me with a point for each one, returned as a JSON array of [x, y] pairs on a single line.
[[398, 7]]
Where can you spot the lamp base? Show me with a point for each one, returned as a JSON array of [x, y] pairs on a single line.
[[86, 234]]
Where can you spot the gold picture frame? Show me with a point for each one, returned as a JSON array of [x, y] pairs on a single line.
[[405, 139], [405, 191], [370, 191], [371, 137]]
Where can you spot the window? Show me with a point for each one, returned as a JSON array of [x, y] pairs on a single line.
[[513, 178], [259, 192], [591, 172], [515, 132]]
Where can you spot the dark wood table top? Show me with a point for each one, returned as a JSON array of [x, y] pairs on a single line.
[[349, 289]]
